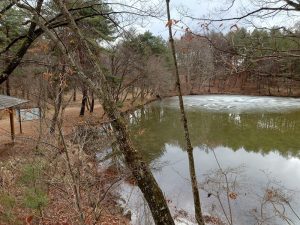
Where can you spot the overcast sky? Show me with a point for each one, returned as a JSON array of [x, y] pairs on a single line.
[[213, 9]]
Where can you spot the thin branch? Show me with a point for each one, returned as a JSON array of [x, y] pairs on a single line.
[[273, 10]]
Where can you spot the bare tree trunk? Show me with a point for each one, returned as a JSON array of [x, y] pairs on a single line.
[[92, 104], [83, 102], [74, 94], [11, 113], [140, 170], [23, 92], [7, 87], [57, 107], [269, 86], [197, 205], [31, 35]]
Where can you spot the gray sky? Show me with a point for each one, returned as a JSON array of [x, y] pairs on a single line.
[[213, 9]]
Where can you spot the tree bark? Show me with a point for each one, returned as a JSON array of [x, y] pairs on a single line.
[[83, 102], [57, 107], [140, 170], [7, 87], [92, 104], [30, 37], [11, 113], [197, 205], [74, 94]]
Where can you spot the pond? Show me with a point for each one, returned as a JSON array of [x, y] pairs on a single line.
[[255, 141]]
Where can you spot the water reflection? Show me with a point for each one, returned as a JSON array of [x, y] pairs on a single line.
[[265, 142], [156, 125]]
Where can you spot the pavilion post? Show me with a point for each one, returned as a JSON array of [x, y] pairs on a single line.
[[12, 124], [10, 104], [20, 121]]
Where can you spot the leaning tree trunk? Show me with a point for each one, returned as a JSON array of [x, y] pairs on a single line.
[[31, 35], [197, 205], [140, 170]]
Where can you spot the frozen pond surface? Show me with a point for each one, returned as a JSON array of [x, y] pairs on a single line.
[[236, 103], [255, 139]]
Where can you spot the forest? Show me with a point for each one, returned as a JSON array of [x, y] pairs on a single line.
[[106, 120]]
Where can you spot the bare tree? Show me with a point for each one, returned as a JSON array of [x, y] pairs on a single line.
[[197, 205], [101, 88]]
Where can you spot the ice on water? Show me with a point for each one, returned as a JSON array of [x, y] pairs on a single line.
[[236, 103]]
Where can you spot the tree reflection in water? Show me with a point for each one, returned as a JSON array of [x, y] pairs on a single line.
[[265, 143]]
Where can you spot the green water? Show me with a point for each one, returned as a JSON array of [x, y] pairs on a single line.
[[256, 132], [259, 135]]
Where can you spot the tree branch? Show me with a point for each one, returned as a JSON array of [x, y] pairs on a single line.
[[6, 8]]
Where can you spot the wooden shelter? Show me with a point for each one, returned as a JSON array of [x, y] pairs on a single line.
[[10, 104]]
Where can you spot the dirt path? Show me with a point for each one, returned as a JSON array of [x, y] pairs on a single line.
[[31, 129]]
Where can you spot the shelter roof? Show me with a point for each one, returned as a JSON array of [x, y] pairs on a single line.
[[8, 102]]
